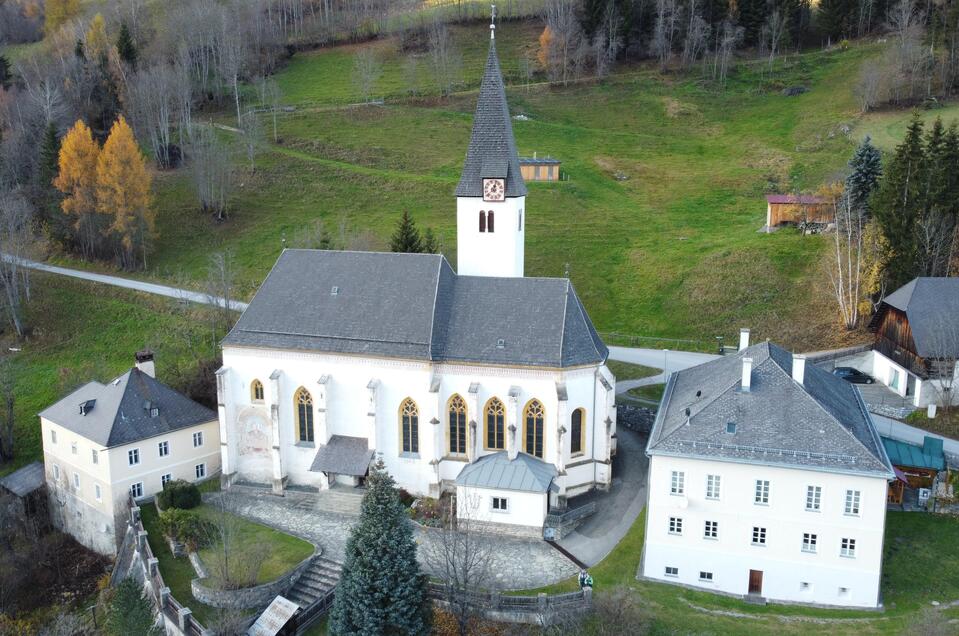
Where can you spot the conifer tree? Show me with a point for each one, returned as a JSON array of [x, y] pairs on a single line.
[[77, 178], [382, 590], [406, 238], [5, 74], [130, 612], [126, 49], [430, 244], [123, 193], [47, 170], [866, 165]]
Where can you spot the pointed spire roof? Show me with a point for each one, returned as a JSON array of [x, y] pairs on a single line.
[[492, 150]]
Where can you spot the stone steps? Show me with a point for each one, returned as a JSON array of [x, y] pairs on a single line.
[[321, 577]]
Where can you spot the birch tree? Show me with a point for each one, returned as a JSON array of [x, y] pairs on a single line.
[[16, 242], [845, 265]]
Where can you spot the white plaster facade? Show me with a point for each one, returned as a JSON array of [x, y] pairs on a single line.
[[789, 572], [87, 494], [490, 253], [360, 396], [907, 384], [526, 509]]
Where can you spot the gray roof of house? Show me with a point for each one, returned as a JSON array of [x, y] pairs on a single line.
[[121, 410], [414, 306], [525, 473], [24, 481], [821, 424], [932, 307], [492, 149], [343, 455], [539, 161]]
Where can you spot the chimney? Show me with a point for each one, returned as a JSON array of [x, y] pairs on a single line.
[[799, 367], [747, 371], [145, 364], [743, 339]]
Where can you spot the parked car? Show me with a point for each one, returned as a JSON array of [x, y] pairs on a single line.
[[855, 376]]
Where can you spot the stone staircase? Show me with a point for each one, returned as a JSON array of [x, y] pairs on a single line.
[[321, 577]]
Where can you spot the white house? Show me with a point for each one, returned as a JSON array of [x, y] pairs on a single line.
[[341, 355], [106, 442], [767, 479]]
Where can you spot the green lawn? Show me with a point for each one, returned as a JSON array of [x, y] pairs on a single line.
[[630, 371], [921, 565], [651, 392], [945, 423]]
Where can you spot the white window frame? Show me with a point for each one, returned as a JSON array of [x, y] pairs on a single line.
[[53, 436], [97, 493], [675, 526], [671, 571], [677, 483], [56, 473], [762, 492], [200, 470], [74, 449], [805, 586], [165, 478], [810, 542], [499, 504], [759, 536], [136, 488], [76, 480], [197, 439], [706, 577], [711, 530], [94, 456], [713, 486], [853, 499], [813, 498], [163, 448], [133, 457], [847, 548]]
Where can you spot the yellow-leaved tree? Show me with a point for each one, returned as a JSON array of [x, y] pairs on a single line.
[[77, 180], [124, 194], [97, 43], [56, 12]]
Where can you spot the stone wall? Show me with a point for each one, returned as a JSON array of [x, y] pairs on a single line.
[[86, 524], [635, 418], [250, 597]]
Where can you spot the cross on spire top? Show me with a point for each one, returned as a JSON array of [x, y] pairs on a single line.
[[492, 23]]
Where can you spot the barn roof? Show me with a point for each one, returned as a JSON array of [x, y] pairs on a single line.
[[931, 306], [539, 161], [796, 199], [24, 481]]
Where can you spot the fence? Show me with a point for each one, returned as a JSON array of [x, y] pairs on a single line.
[[314, 612], [656, 342], [570, 516], [528, 609]]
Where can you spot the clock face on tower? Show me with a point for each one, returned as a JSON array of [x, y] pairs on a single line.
[[493, 190]]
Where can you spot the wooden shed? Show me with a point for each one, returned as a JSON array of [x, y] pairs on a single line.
[[797, 208], [916, 466], [539, 169]]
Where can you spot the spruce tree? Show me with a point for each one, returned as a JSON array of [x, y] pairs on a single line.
[[5, 74], [430, 244], [382, 590], [130, 612], [866, 165], [47, 195], [126, 49], [407, 237]]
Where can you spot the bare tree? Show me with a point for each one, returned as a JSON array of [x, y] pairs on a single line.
[[221, 290], [726, 41], [565, 34], [845, 264], [152, 103], [232, 56], [252, 136], [868, 89], [607, 41], [231, 566], [697, 36], [366, 71], [16, 243], [270, 95], [773, 31], [7, 437], [665, 28], [211, 169], [444, 58]]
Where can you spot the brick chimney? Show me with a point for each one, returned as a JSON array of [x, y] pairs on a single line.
[[145, 364], [799, 367], [747, 374]]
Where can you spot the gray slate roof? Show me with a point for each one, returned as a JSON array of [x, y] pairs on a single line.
[[821, 424], [24, 481], [525, 473], [414, 306], [492, 149], [932, 307], [120, 414], [344, 456]]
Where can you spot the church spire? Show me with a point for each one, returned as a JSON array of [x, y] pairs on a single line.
[[492, 149]]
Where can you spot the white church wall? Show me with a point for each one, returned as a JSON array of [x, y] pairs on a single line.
[[522, 508], [497, 253]]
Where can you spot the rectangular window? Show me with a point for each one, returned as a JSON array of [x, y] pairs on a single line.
[[678, 483], [852, 502], [165, 479], [53, 436], [95, 456], [56, 473], [133, 456], [762, 492], [136, 490], [163, 449], [675, 525], [809, 542], [500, 504], [73, 447], [97, 493], [712, 486], [76, 480], [711, 530], [198, 439], [843, 592], [847, 548], [706, 576], [813, 498], [671, 571], [759, 535], [200, 470], [804, 586]]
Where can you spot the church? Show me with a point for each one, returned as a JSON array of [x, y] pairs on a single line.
[[479, 381]]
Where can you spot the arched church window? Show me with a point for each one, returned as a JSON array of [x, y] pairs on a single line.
[[489, 221], [410, 426], [256, 391], [482, 221], [495, 426], [533, 420], [576, 432], [457, 420], [303, 402]]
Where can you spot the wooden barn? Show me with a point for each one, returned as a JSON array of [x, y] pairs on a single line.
[[539, 169], [797, 208]]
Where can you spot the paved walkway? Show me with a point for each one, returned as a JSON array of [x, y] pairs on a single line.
[[129, 283], [616, 509], [516, 563]]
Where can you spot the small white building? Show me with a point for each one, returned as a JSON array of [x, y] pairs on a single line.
[[767, 479], [106, 442]]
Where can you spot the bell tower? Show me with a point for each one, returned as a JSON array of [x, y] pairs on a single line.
[[491, 195]]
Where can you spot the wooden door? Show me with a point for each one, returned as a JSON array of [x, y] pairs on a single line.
[[756, 582]]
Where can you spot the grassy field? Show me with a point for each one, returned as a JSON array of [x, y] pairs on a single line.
[[650, 392], [629, 371], [921, 565], [656, 224]]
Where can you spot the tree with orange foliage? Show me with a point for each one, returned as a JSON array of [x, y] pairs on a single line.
[[77, 179], [545, 39], [97, 45], [123, 194]]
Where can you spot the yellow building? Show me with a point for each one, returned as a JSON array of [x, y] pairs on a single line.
[[539, 169]]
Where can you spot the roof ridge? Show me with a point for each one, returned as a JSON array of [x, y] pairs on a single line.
[[562, 339]]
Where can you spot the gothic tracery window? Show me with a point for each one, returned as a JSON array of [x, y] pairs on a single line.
[[534, 417], [409, 426], [456, 409], [303, 402], [495, 425]]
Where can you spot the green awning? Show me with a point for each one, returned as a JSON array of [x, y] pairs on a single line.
[[929, 455]]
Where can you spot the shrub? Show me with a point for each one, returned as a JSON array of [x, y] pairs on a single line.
[[179, 494], [405, 497], [184, 526]]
